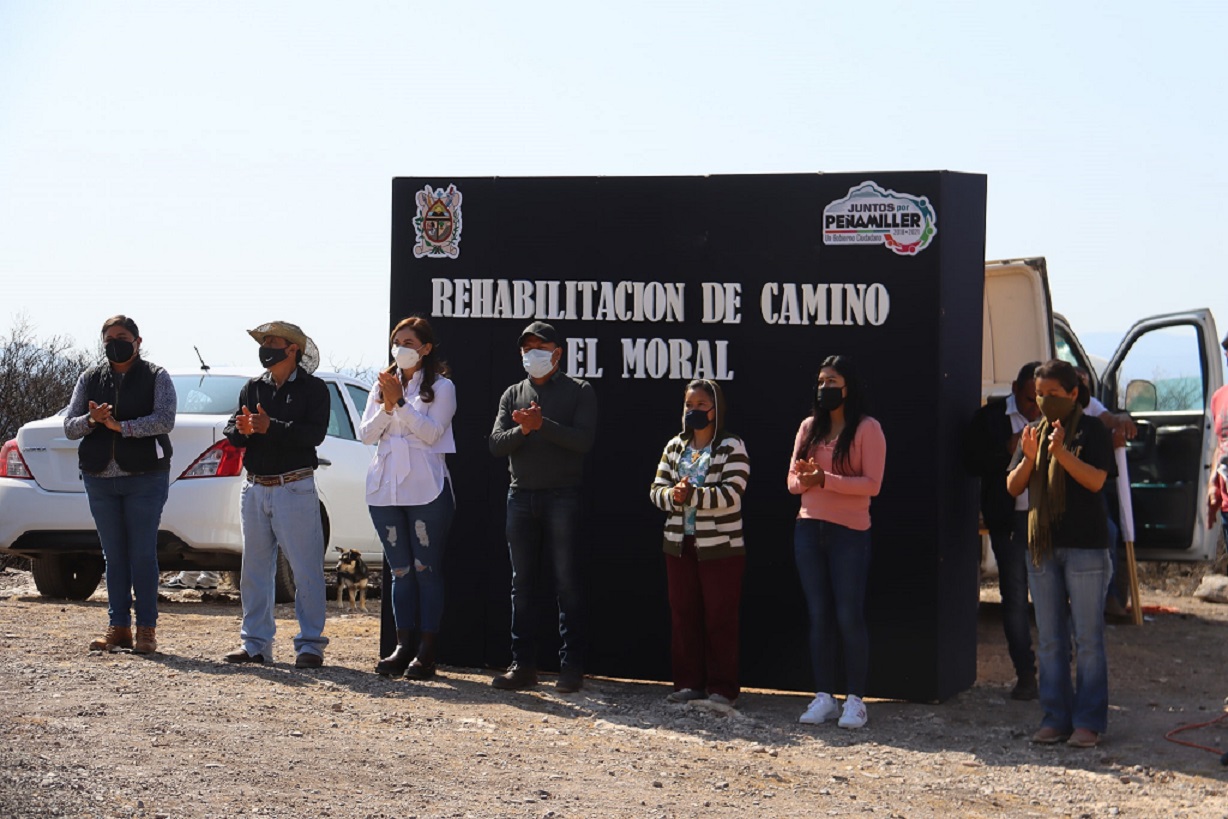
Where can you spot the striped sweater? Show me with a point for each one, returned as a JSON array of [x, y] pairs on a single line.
[[717, 504]]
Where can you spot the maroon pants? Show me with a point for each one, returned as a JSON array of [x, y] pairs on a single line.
[[704, 598]]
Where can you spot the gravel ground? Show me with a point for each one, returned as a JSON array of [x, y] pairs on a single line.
[[180, 734]]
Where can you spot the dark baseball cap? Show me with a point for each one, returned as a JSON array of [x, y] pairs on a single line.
[[542, 330]]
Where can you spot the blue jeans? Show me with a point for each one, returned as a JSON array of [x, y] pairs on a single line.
[[414, 539], [287, 516], [1068, 589], [540, 523], [127, 511], [1010, 550], [833, 564]]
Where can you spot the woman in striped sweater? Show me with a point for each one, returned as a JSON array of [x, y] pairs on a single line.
[[837, 467], [699, 483]]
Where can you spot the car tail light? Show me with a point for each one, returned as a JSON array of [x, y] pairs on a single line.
[[222, 460], [11, 463]]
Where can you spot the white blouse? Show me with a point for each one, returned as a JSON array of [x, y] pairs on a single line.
[[409, 467]]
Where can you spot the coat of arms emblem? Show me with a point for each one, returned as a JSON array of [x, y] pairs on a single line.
[[438, 223]]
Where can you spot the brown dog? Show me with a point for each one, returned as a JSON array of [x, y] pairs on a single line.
[[352, 576]]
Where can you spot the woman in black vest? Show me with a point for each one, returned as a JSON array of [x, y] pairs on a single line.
[[123, 410]]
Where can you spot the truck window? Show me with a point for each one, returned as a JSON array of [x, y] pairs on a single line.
[[1067, 351], [1170, 360]]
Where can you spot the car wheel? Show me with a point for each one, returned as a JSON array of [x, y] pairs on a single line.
[[72, 577], [283, 588]]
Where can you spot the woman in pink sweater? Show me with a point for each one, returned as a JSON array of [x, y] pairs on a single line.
[[837, 467]]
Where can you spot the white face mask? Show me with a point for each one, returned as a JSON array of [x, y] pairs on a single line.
[[538, 363], [406, 357]]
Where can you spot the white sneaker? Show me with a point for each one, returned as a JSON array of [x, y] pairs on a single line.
[[206, 581], [854, 715], [821, 709], [721, 699]]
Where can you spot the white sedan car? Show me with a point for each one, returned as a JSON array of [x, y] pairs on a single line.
[[45, 516]]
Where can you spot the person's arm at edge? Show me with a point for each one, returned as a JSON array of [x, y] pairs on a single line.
[[77, 417], [794, 483], [505, 437], [231, 431]]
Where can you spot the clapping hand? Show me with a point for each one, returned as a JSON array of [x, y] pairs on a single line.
[[530, 419], [681, 490], [249, 423], [1030, 441], [808, 473], [1056, 439], [101, 414], [390, 388]]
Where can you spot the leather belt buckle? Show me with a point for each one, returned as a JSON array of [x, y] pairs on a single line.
[[280, 480]]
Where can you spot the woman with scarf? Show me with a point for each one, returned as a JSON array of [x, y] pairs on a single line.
[[699, 483], [837, 467], [409, 491], [123, 410], [1063, 461]]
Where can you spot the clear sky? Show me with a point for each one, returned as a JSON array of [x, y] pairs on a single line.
[[205, 167]]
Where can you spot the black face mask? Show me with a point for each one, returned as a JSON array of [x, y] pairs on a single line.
[[830, 398], [271, 356], [696, 419], [119, 350]]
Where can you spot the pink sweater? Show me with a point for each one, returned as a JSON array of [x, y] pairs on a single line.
[[843, 499]]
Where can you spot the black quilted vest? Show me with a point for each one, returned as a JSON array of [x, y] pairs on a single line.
[[132, 398]]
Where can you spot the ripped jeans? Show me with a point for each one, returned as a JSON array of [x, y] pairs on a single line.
[[414, 539]]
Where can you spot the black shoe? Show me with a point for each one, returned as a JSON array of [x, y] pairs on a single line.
[[418, 670], [241, 656], [307, 659], [570, 681], [394, 664], [516, 678], [1025, 689]]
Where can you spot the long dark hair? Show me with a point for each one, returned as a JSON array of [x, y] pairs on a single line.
[[717, 395], [432, 365], [856, 407]]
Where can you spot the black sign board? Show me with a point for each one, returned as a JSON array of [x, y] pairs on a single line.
[[750, 280]]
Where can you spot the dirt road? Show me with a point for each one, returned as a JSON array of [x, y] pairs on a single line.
[[179, 734]]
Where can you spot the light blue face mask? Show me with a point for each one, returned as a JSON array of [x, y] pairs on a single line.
[[537, 363]]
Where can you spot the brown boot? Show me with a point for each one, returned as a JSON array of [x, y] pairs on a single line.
[[423, 666], [394, 664], [117, 637], [146, 643]]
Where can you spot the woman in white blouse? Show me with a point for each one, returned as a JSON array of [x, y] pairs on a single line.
[[409, 492]]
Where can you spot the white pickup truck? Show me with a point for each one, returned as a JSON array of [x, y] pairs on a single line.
[[1163, 373]]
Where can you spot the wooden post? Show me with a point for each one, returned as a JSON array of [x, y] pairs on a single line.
[[1136, 605]]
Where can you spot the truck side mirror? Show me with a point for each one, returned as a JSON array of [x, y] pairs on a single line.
[[1141, 396]]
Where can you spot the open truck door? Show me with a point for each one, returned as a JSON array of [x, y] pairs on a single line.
[[1164, 373], [1017, 321]]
